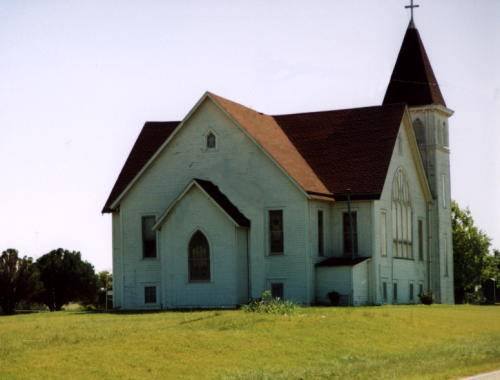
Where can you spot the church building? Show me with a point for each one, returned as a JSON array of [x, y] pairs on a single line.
[[212, 210]]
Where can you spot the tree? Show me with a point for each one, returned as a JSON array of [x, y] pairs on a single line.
[[66, 278], [18, 280], [470, 253], [104, 283]]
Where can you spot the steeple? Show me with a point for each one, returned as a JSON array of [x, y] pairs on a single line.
[[413, 81]]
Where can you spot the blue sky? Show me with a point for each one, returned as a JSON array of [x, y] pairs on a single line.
[[79, 78]]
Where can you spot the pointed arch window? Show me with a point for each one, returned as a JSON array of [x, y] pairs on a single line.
[[211, 141], [402, 216], [199, 258]]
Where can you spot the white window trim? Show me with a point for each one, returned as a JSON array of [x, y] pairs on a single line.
[[318, 210], [157, 237], [443, 194], [150, 284], [383, 236], [205, 136], [267, 234]]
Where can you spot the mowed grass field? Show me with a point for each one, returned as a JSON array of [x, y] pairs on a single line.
[[374, 342]]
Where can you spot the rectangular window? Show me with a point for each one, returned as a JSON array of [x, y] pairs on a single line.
[[276, 231], [420, 289], [383, 234], [384, 291], [445, 135], [443, 181], [421, 240], [150, 294], [411, 292], [277, 290], [445, 250], [321, 243], [347, 235], [395, 292], [148, 237]]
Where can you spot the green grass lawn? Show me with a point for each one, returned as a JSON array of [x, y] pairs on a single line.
[[372, 342]]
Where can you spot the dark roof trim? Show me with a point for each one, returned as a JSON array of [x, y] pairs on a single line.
[[218, 197], [152, 136], [223, 201], [341, 261], [358, 197]]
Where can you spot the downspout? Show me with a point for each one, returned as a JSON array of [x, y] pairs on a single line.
[[351, 238], [429, 245], [249, 283]]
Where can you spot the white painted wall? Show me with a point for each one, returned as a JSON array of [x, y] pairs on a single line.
[[361, 276], [389, 268], [227, 285], [340, 279], [330, 279], [248, 178]]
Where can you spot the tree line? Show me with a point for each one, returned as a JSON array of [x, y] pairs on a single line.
[[61, 276], [476, 263], [54, 280]]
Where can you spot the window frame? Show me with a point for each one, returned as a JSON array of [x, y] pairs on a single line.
[[347, 235], [190, 259], [420, 239], [270, 250], [279, 285], [150, 287], [443, 190], [321, 232], [402, 216], [205, 147], [394, 292], [383, 233], [445, 256], [143, 249], [207, 141], [384, 292]]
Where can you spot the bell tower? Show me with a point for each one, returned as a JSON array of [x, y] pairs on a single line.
[[413, 82]]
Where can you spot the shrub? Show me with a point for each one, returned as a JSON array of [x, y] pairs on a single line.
[[426, 298], [475, 298], [334, 298], [269, 305]]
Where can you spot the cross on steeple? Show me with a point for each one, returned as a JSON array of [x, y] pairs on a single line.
[[411, 6]]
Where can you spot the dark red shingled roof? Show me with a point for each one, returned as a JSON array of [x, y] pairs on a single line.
[[413, 81], [152, 136], [347, 149], [223, 201]]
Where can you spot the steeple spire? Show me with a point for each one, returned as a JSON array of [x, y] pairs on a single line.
[[413, 81], [411, 6]]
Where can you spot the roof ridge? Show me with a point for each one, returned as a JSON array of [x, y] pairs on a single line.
[[343, 109]]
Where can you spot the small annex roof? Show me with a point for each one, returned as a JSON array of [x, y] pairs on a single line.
[[413, 81], [213, 192], [341, 261]]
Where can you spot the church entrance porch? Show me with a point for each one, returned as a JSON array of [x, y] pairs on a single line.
[[203, 250]]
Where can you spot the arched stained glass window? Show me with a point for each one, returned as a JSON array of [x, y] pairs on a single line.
[[199, 258], [402, 216]]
